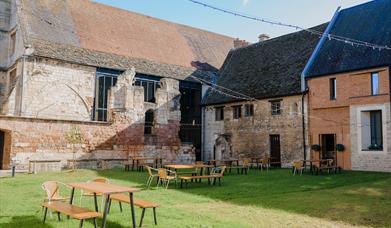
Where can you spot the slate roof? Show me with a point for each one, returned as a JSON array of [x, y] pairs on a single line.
[[94, 31], [369, 22], [266, 69]]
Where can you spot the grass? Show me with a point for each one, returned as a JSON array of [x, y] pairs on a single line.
[[274, 199]]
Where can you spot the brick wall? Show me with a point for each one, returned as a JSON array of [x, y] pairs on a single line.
[[340, 116], [249, 136]]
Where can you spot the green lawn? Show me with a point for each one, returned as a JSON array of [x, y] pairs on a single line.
[[274, 199]]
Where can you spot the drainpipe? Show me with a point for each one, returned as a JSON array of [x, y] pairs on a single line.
[[303, 123], [203, 134]]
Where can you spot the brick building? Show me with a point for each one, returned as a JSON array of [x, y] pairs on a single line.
[[273, 124], [349, 90], [78, 77]]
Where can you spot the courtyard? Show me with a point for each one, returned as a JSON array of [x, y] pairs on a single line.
[[259, 199]]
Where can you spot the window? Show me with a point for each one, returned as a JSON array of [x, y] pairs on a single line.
[[149, 122], [248, 110], [105, 80], [12, 80], [237, 111], [219, 113], [375, 83], [12, 43], [333, 89], [372, 130], [276, 107], [150, 87]]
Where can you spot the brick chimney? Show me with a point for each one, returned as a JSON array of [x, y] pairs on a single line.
[[263, 37], [240, 43]]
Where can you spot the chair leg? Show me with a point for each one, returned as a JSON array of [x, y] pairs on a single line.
[[44, 215], [108, 210], [142, 217], [168, 182], [154, 215], [81, 223], [59, 216]]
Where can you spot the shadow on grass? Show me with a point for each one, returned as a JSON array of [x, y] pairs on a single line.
[[23, 221], [358, 198]]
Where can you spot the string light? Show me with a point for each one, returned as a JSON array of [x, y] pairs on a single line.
[[312, 31]]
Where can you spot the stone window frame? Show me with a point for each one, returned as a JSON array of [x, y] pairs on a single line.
[[12, 42], [12, 79], [359, 111], [219, 113], [236, 112], [275, 107], [249, 110]]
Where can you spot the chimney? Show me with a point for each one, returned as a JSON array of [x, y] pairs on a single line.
[[240, 43], [263, 37]]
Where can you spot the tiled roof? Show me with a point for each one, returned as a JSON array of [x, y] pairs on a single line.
[[266, 69], [369, 22], [83, 24]]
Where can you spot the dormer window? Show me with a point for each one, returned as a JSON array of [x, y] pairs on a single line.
[[12, 43]]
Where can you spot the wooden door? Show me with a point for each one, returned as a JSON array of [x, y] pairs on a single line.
[[1, 149], [275, 150]]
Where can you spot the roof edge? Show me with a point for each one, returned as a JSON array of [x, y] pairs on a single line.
[[317, 49]]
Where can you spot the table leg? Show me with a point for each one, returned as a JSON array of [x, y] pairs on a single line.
[[71, 198], [105, 211], [96, 202], [132, 164], [132, 209]]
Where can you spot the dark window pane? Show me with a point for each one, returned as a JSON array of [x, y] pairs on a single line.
[[333, 89], [276, 107], [376, 128], [101, 92]]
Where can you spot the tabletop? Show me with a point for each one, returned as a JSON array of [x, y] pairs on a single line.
[[188, 166], [103, 188]]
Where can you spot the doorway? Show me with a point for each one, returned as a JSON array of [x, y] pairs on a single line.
[[275, 150], [2, 137], [328, 146]]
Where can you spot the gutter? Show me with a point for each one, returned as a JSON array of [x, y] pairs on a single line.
[[317, 49]]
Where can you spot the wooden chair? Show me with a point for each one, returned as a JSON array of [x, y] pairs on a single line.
[[151, 175], [298, 167], [218, 173], [265, 163], [52, 190], [91, 194], [165, 176], [243, 168]]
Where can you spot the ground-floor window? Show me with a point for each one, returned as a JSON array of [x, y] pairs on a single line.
[[372, 130]]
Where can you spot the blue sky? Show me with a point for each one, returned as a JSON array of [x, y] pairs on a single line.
[[305, 13]]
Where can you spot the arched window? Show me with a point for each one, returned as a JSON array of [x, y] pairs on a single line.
[[149, 122]]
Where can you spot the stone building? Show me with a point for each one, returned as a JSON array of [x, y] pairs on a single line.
[[349, 90], [256, 108], [82, 79]]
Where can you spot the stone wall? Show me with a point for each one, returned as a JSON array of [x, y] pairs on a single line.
[[57, 102], [249, 136], [363, 159]]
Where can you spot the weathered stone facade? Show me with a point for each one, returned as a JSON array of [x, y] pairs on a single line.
[[248, 137], [58, 97]]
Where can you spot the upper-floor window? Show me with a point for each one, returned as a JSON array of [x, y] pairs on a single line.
[[248, 110], [333, 88], [12, 42], [149, 122], [237, 111], [275, 107], [12, 80], [219, 113], [150, 84], [375, 83]]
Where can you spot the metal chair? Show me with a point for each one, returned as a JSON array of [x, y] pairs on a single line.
[[165, 176], [151, 175]]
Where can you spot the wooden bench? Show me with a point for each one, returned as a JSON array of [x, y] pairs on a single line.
[[73, 211], [191, 178], [143, 204]]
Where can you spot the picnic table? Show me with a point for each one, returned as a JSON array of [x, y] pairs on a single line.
[[175, 167], [135, 161], [227, 162], [105, 189]]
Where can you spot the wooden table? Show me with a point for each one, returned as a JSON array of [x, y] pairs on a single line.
[[107, 190], [175, 167], [136, 161]]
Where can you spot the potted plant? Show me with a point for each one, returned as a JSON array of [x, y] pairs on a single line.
[[315, 147], [375, 146], [339, 147]]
